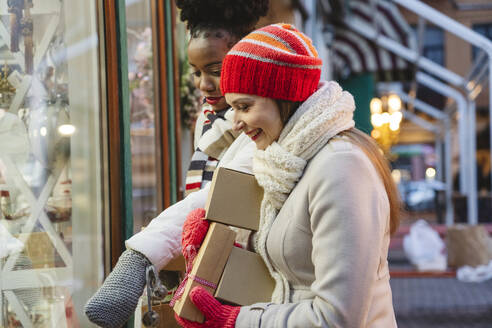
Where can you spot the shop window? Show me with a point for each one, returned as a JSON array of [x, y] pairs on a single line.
[[51, 162], [141, 76], [486, 31], [433, 43], [433, 49]]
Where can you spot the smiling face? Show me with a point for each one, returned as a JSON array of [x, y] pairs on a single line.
[[205, 54], [257, 117]]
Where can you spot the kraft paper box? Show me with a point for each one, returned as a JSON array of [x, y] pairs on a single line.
[[209, 264], [234, 199], [166, 315], [176, 264], [245, 279]]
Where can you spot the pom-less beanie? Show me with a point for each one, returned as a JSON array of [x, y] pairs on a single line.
[[276, 61]]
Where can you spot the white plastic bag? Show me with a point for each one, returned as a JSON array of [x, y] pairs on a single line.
[[478, 274], [424, 247]]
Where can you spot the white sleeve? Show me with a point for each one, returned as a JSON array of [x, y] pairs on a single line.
[[160, 241]]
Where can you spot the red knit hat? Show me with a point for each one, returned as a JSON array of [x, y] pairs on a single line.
[[276, 61]]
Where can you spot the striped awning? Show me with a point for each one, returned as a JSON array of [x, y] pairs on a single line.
[[352, 53]]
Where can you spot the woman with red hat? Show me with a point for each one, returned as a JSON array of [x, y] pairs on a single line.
[[329, 203]]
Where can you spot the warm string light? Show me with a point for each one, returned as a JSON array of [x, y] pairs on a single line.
[[386, 117]]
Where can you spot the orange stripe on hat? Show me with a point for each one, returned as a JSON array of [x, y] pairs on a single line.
[[268, 53], [267, 39], [309, 43], [288, 36]]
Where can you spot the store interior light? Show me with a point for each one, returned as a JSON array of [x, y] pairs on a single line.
[[377, 120], [386, 117], [396, 174], [66, 129], [42, 131], [376, 106], [394, 127], [396, 117], [430, 173], [394, 103], [375, 134]]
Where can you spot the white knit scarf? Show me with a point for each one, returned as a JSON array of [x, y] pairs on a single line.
[[279, 167]]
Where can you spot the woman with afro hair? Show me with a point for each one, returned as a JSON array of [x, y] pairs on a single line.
[[214, 26]]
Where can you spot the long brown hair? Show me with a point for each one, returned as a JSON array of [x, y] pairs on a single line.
[[370, 148], [287, 109]]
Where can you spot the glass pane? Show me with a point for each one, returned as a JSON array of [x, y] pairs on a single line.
[[51, 253], [486, 31], [142, 110]]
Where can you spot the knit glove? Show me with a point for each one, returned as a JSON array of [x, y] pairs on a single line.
[[116, 300], [216, 314], [195, 228]]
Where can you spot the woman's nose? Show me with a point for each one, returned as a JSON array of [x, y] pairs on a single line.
[[238, 125], [206, 85]]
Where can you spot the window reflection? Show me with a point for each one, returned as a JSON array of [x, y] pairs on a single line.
[[50, 164], [142, 112]]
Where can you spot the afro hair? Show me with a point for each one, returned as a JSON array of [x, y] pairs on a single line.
[[237, 17]]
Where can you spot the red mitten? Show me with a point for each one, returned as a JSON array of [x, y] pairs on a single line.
[[194, 230], [216, 314]]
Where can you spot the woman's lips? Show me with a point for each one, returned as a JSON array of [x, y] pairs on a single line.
[[254, 134], [213, 100]]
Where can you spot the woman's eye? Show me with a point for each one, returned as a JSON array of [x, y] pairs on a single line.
[[242, 107], [216, 73], [195, 74]]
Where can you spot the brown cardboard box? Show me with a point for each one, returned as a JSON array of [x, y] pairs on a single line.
[[209, 264], [245, 279], [166, 315], [176, 264], [234, 199]]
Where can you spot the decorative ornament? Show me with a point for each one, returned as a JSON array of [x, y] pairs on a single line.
[[21, 23], [7, 91]]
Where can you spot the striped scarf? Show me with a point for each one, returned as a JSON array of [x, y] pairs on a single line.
[[216, 137]]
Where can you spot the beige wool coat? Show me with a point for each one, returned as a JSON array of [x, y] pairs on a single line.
[[330, 239]]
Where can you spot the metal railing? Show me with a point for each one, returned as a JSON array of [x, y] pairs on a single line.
[[462, 90]]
